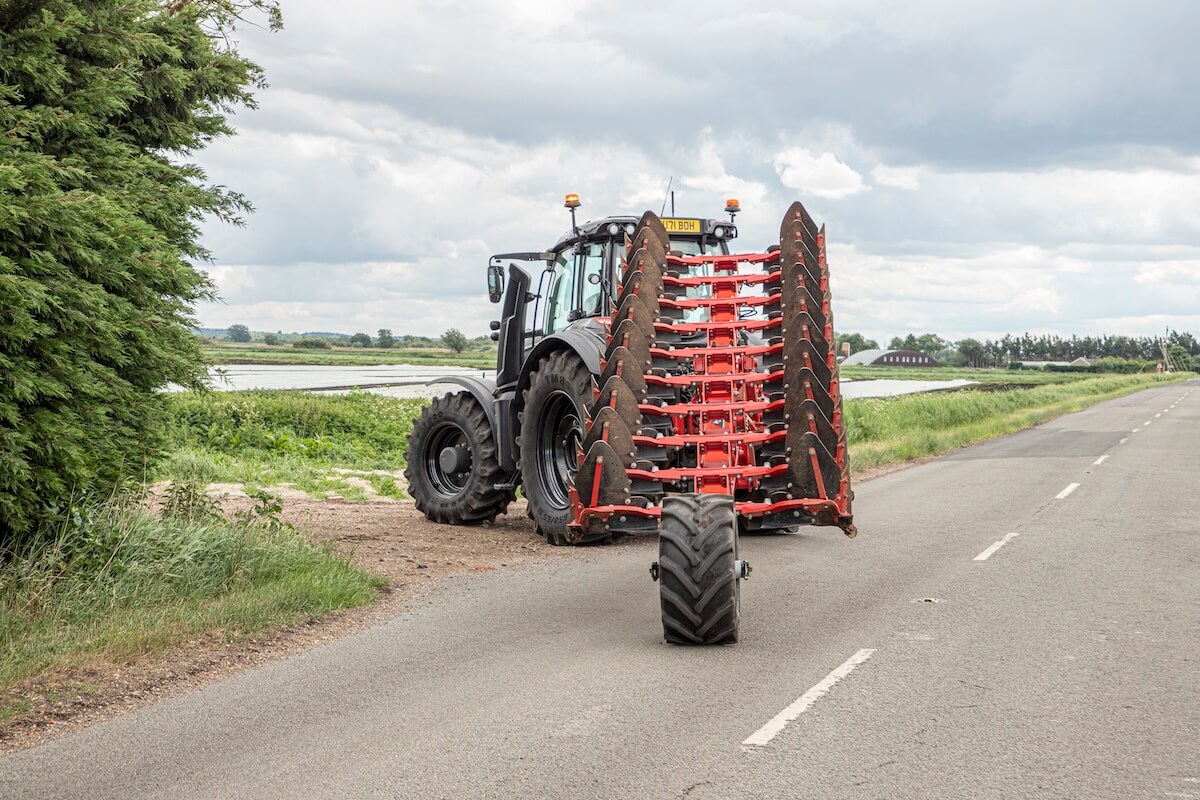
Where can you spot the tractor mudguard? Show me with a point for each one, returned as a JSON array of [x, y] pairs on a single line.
[[498, 413], [481, 389], [584, 338]]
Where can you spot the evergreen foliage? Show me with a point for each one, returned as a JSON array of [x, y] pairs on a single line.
[[101, 102]]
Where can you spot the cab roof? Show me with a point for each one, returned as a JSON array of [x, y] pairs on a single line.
[[595, 229]]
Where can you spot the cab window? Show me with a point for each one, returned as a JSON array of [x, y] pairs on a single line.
[[693, 246], [562, 292], [592, 269]]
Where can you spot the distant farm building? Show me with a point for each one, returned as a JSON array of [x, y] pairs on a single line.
[[890, 358]]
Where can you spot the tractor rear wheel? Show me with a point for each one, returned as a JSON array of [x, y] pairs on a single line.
[[560, 389], [699, 584], [452, 467]]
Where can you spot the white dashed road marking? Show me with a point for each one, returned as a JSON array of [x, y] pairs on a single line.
[[1065, 493], [1008, 537], [763, 736], [1100, 460]]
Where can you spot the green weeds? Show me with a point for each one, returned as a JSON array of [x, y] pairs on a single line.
[[120, 581], [321, 444]]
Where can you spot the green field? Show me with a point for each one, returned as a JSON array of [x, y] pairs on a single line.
[[221, 353], [321, 444]]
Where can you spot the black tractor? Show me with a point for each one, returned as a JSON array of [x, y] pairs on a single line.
[[470, 450]]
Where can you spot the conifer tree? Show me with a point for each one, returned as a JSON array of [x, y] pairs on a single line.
[[102, 102]]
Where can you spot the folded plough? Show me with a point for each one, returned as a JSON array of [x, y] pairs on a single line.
[[717, 408]]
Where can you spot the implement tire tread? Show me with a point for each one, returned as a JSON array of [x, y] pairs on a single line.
[[698, 589]]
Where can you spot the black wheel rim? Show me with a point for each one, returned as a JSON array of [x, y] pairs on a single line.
[[448, 484], [560, 434]]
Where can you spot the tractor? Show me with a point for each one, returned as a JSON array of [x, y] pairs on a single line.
[[653, 383]]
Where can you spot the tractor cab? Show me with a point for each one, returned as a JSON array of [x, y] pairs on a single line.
[[582, 269]]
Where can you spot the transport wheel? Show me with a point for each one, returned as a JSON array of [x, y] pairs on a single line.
[[452, 467], [697, 569], [560, 388]]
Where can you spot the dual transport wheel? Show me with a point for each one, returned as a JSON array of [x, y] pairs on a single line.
[[453, 466]]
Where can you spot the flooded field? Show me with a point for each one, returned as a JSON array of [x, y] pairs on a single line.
[[404, 380]]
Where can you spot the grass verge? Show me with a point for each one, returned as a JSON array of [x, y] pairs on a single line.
[[896, 429], [120, 582]]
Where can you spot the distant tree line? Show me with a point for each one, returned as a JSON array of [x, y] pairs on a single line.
[[1011, 349], [453, 339]]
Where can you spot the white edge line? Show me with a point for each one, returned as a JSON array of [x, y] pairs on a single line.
[[763, 736], [1100, 460], [1123, 441], [1159, 414], [1066, 492], [1008, 537]]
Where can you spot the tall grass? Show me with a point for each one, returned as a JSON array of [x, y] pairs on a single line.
[[895, 429], [119, 582], [265, 438]]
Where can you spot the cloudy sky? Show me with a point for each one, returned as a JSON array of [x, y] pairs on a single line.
[[983, 167]]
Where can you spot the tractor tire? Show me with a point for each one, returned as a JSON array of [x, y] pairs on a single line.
[[452, 467], [560, 389], [697, 570]]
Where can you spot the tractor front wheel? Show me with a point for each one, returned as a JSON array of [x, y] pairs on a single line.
[[560, 389], [698, 569], [452, 467]]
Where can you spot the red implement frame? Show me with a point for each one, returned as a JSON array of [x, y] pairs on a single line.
[[733, 413]]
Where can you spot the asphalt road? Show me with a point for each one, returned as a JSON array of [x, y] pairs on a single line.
[[1065, 664]]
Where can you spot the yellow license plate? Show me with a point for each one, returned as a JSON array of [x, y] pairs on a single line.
[[681, 225]]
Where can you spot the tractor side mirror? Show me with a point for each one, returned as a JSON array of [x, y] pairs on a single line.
[[495, 283]]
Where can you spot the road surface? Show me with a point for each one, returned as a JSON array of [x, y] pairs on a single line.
[[1059, 658]]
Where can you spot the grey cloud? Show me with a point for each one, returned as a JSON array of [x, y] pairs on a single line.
[[400, 144]]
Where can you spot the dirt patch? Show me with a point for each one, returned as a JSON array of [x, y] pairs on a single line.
[[385, 537]]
